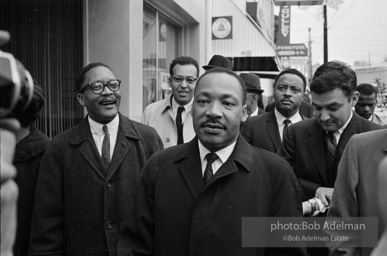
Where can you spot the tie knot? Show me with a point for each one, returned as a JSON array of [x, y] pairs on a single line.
[[330, 136], [105, 129], [211, 157], [287, 122], [180, 110]]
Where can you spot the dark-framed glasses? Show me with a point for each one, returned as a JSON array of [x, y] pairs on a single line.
[[188, 79], [99, 87]]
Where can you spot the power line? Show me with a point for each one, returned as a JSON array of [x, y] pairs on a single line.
[[343, 13]]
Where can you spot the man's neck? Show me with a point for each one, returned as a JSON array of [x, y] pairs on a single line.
[[287, 114]]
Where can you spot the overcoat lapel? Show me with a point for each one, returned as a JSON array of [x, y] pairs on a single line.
[[88, 148], [125, 137], [348, 132], [190, 168], [272, 129], [317, 149], [241, 154], [120, 151]]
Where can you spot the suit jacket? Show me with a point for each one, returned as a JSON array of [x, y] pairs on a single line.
[[80, 202], [262, 131], [303, 146], [176, 215], [28, 155], [356, 185]]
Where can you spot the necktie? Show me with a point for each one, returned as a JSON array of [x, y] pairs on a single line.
[[179, 125], [287, 122], [331, 144], [208, 173], [106, 145], [330, 140]]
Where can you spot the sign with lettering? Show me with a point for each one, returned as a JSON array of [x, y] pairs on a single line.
[[283, 32], [292, 50]]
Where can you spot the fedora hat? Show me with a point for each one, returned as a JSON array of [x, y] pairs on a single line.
[[253, 83], [218, 61]]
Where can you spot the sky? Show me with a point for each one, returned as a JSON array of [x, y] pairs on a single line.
[[357, 31]]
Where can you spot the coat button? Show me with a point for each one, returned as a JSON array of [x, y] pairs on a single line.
[[167, 139], [108, 185], [109, 225]]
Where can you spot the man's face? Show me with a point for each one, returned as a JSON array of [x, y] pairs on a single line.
[[333, 108], [218, 110], [288, 93], [365, 106], [251, 102], [103, 107], [181, 89]]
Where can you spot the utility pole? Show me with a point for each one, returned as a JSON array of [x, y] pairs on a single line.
[[309, 58], [325, 34]]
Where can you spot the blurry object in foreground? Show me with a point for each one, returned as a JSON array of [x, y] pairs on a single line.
[[9, 190], [16, 85]]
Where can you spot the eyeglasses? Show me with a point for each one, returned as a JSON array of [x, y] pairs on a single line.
[[99, 87], [188, 79]]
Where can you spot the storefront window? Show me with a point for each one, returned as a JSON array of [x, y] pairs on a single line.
[[162, 40]]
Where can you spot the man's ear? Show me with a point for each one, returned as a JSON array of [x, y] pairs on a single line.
[[355, 98], [81, 99], [244, 111]]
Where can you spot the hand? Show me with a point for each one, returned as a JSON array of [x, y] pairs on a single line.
[[325, 195]]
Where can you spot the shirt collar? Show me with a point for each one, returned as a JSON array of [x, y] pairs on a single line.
[[255, 113], [97, 127], [223, 154], [280, 118], [341, 130]]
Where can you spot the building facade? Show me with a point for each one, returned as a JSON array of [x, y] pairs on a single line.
[[137, 39]]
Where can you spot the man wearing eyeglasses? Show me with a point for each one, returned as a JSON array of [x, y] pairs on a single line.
[[88, 176], [171, 117]]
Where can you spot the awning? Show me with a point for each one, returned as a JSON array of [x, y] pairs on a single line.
[[256, 64]]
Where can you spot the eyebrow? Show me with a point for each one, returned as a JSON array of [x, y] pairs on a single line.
[[330, 105]]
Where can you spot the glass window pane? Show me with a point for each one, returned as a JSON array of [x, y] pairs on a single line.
[[162, 44]]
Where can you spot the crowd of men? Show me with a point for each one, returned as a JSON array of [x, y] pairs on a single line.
[[179, 182]]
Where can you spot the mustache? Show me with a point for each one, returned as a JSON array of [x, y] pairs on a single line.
[[212, 122]]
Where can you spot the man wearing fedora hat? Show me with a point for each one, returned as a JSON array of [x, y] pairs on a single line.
[[218, 61], [266, 130], [254, 93]]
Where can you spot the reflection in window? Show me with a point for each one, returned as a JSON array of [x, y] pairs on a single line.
[[162, 43]]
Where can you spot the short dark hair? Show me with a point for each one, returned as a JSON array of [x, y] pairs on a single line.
[[367, 89], [291, 71], [81, 76], [332, 75], [31, 113], [221, 70], [184, 60]]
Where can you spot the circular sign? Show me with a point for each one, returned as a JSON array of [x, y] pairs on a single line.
[[221, 27]]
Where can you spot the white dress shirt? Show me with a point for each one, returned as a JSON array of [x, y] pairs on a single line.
[[98, 134], [280, 120]]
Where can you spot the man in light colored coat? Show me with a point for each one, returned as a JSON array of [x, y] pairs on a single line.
[[172, 117]]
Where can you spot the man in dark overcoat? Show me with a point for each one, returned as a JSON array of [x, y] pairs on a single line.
[[192, 197], [315, 146], [88, 177]]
